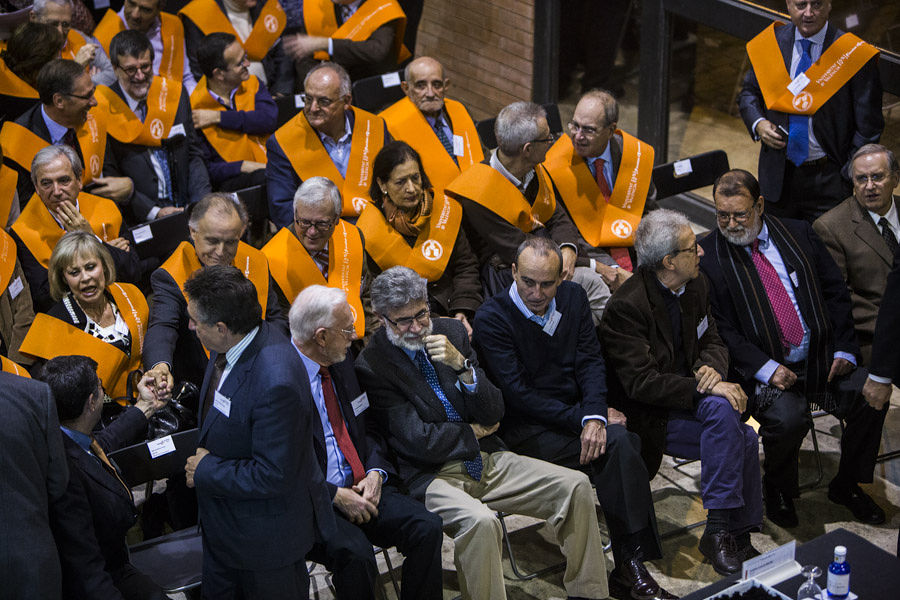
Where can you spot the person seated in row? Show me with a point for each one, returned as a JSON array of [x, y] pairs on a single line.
[[369, 507], [330, 139], [538, 342], [363, 36], [441, 130], [257, 28], [439, 413], [93, 315], [90, 521], [16, 309], [59, 206], [234, 113], [152, 136], [409, 223], [30, 47], [320, 248], [670, 383]]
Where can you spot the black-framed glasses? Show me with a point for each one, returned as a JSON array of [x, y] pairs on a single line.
[[875, 178], [85, 97], [322, 101], [549, 139], [420, 317], [132, 71], [740, 217], [305, 224], [691, 250]]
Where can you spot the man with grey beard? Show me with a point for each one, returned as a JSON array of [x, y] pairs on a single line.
[[783, 310]]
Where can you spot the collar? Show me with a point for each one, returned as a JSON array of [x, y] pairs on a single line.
[[234, 353], [83, 441], [677, 293], [520, 184], [890, 215], [56, 130], [439, 120], [312, 367], [606, 155], [132, 102], [763, 236], [226, 103], [818, 38], [344, 138], [517, 300]]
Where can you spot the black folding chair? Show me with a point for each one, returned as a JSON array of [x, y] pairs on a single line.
[[256, 201], [376, 93], [688, 174], [288, 107]]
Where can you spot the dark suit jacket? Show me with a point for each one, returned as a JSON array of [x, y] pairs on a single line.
[[851, 118], [864, 259], [33, 474], [411, 415], [190, 181], [261, 481], [655, 377], [885, 349]]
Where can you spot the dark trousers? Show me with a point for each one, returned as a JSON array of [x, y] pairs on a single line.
[[290, 582], [134, 585], [810, 190], [401, 522], [620, 478]]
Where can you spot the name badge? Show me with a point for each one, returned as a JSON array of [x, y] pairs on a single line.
[[794, 280], [552, 323], [702, 327], [161, 446], [458, 145], [360, 404], [16, 287], [222, 404], [798, 84], [176, 130]]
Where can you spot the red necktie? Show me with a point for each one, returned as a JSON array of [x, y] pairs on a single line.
[[785, 313], [341, 435], [620, 255]]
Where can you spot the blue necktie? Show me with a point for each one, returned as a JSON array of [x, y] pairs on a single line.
[[798, 138], [162, 156], [473, 467]]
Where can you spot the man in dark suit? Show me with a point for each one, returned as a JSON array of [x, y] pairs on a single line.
[[351, 454], [440, 413], [255, 468], [807, 140], [34, 476], [861, 233], [167, 165], [784, 312], [670, 363], [539, 344], [91, 520]]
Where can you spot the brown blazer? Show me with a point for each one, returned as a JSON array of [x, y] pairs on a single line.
[[856, 245]]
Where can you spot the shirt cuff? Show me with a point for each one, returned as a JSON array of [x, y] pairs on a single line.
[[470, 387], [587, 418], [330, 47], [765, 373], [880, 379], [753, 129], [846, 356], [381, 472], [153, 212], [569, 245]]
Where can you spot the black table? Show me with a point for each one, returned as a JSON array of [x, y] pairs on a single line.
[[875, 574]]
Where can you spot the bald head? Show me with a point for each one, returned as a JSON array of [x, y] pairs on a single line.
[[425, 85]]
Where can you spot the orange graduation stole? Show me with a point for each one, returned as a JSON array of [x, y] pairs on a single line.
[[431, 252], [12, 85], [601, 223], [74, 41], [309, 158], [293, 269], [407, 123], [8, 254], [230, 144], [209, 17], [485, 185], [40, 232], [162, 105], [318, 15], [171, 64], [8, 178], [838, 63], [10, 366]]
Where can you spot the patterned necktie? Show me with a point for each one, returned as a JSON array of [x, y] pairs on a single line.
[[798, 132], [473, 467], [107, 464], [339, 427], [888, 234], [785, 313], [70, 139], [346, 13], [218, 369], [161, 155], [445, 141], [600, 177]]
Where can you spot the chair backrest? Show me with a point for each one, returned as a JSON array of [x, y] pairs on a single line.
[[288, 107], [159, 238], [256, 201], [485, 128], [689, 173], [155, 459], [377, 92]]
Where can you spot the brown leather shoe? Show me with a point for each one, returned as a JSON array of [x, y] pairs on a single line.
[[633, 580], [722, 551]]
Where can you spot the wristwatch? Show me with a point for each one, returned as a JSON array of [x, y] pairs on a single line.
[[467, 364]]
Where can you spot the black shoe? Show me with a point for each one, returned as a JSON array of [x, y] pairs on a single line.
[[633, 580], [721, 550], [748, 552], [860, 503], [780, 509]]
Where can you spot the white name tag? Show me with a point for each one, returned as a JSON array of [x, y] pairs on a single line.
[[16, 287], [360, 404], [794, 280], [552, 323], [683, 167], [161, 446], [298, 101], [458, 145], [390, 79], [222, 404], [702, 327], [176, 130], [798, 84], [142, 234]]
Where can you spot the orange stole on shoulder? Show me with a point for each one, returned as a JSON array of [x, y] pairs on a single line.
[[8, 254], [40, 232], [407, 123], [293, 269], [171, 64], [10, 366], [603, 224], [209, 18], [484, 185], [162, 106], [318, 16], [837, 65], [13, 85], [230, 144], [8, 179], [309, 158], [74, 41]]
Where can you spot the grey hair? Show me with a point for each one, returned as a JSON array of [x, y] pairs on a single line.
[[346, 87], [313, 308], [657, 236], [317, 191], [876, 149], [516, 125], [610, 105], [48, 154], [395, 288], [39, 6], [220, 202]]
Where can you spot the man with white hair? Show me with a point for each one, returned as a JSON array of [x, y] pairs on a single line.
[[369, 508], [80, 47]]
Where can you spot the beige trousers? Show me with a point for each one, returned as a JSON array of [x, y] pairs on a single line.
[[526, 486], [597, 291]]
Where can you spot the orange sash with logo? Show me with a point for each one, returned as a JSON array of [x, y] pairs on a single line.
[[74, 41], [209, 18], [293, 269], [10, 366], [309, 158], [430, 254], [171, 64], [599, 223], [318, 16], [40, 232], [12, 85], [162, 105], [838, 63], [8, 179], [230, 144], [407, 123], [485, 185]]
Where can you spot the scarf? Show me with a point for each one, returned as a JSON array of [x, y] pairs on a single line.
[[404, 221]]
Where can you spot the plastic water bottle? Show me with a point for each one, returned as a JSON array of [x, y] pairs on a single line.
[[839, 574]]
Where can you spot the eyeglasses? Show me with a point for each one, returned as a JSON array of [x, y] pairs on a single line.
[[585, 130], [549, 139], [322, 101], [691, 250], [420, 317], [132, 71], [348, 333], [740, 217], [875, 178], [86, 97], [54, 24], [305, 224]]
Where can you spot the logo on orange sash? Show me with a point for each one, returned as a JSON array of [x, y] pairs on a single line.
[[432, 250], [271, 23], [621, 228], [162, 106]]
